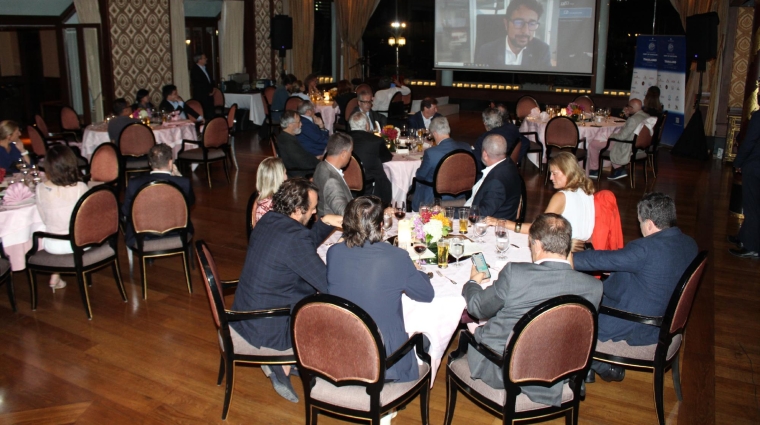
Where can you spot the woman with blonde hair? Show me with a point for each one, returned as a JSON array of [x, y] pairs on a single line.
[[269, 177], [11, 147], [574, 199]]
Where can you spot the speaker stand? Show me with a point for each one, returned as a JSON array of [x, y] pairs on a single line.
[[281, 54]]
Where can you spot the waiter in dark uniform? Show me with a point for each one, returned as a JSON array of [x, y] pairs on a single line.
[[202, 85]]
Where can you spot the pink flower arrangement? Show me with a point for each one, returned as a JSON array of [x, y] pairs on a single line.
[[390, 132], [574, 109]]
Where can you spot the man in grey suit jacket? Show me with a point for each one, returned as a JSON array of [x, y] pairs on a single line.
[[620, 153], [334, 193], [519, 288]]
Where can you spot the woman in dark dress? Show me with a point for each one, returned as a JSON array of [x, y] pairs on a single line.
[[373, 274]]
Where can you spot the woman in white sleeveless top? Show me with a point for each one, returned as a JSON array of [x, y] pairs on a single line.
[[574, 201]]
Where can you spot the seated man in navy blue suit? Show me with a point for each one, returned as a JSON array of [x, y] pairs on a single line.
[[423, 117], [281, 268], [494, 122], [163, 169], [440, 130], [313, 135], [497, 193], [643, 276]]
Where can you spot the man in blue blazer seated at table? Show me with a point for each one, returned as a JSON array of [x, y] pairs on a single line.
[[497, 193], [520, 287], [281, 268], [428, 111], [162, 169], [643, 276], [314, 135], [493, 120], [440, 130]]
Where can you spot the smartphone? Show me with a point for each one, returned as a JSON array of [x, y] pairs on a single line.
[[480, 264]]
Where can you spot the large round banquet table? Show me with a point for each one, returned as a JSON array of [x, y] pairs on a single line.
[[591, 131], [17, 224], [439, 319], [400, 171], [328, 112], [171, 133]]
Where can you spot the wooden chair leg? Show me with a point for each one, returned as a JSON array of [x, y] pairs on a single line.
[[451, 400], [143, 276], [208, 174], [82, 281], [674, 368], [425, 402], [117, 276], [32, 287], [186, 264], [221, 370], [658, 390], [230, 380], [11, 293]]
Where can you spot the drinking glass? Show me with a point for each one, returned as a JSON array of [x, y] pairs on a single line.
[[443, 253], [501, 228], [456, 248], [419, 248], [387, 221], [480, 230], [424, 208], [502, 245], [448, 212], [474, 214], [464, 212], [400, 211], [436, 207]]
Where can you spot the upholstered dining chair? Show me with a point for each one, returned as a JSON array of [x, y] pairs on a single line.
[[640, 146], [214, 146], [293, 103], [552, 343], [585, 102], [6, 277], [231, 125], [355, 176], [233, 348], [135, 141], [70, 122], [267, 98], [93, 234], [342, 362], [656, 139], [40, 145], [562, 134], [454, 175], [534, 147], [164, 234], [67, 137], [105, 166], [658, 358], [196, 107], [250, 214], [218, 102], [524, 105], [363, 88]]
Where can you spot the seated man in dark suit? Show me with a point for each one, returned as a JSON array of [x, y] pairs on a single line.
[[122, 119], [372, 153], [519, 288], [643, 276], [494, 122], [519, 48], [334, 193], [298, 162], [163, 169], [374, 117], [280, 97], [281, 268], [440, 130], [428, 111], [313, 136], [173, 102], [497, 193]]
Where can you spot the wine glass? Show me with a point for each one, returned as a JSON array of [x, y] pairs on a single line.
[[480, 230], [502, 244], [400, 211], [457, 249], [501, 228], [387, 221], [419, 248], [474, 214]]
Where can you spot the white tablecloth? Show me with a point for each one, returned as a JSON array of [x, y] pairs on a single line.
[[17, 224], [172, 135], [400, 172], [250, 101], [439, 319], [591, 131], [328, 114]]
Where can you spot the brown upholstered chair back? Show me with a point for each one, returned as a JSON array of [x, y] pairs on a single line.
[[268, 97], [335, 342], [456, 173], [556, 342], [660, 126], [196, 107], [586, 102], [524, 106], [561, 132], [96, 217], [407, 99], [210, 276], [163, 197], [231, 116], [69, 119], [644, 139], [293, 103], [363, 88], [42, 125], [515, 155], [104, 165], [136, 140], [694, 275], [216, 133], [218, 97], [352, 104], [354, 175], [38, 143]]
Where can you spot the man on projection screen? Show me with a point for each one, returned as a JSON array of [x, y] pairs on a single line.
[[519, 47]]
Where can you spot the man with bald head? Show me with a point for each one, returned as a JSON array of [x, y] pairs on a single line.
[[620, 153], [497, 193]]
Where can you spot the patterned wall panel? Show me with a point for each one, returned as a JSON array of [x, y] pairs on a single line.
[[141, 43], [266, 61], [742, 48]]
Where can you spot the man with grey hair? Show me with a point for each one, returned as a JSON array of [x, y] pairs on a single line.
[[334, 193], [365, 107], [498, 192], [520, 287], [297, 161], [620, 153], [202, 85], [372, 153], [494, 122], [313, 135], [440, 130]]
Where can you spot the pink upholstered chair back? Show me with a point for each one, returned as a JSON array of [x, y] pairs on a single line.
[[136, 140], [293, 103], [352, 104], [196, 107], [353, 175], [41, 124], [161, 197], [97, 217], [561, 132], [218, 97], [644, 139], [524, 106], [456, 174], [69, 119], [586, 102], [38, 143], [683, 308], [216, 133], [104, 165], [231, 116]]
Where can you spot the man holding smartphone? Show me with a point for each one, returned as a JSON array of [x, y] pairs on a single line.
[[520, 287]]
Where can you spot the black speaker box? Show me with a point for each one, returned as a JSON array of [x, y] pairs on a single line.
[[281, 32], [702, 36]]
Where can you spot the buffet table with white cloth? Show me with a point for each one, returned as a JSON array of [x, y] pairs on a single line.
[[171, 133], [439, 319], [250, 101], [401, 171]]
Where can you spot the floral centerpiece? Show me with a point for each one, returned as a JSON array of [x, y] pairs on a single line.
[[140, 114], [389, 133], [575, 111], [430, 227]]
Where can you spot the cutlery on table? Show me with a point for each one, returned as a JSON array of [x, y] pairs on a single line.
[[441, 275]]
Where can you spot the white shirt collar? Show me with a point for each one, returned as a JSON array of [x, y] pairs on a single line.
[[510, 58], [335, 168], [480, 182], [556, 260], [308, 118], [160, 172]]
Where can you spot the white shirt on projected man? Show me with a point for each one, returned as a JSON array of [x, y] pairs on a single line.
[[510, 58]]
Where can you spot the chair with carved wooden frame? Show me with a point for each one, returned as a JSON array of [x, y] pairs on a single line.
[[640, 146], [70, 123], [105, 166], [293, 103], [454, 175], [214, 146], [524, 105], [93, 233], [231, 124], [658, 358], [585, 102], [562, 134], [6, 277], [550, 344], [135, 141], [342, 362], [67, 137], [233, 348]]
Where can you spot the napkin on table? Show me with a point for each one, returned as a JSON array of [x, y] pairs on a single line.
[[17, 193], [535, 113], [544, 116]]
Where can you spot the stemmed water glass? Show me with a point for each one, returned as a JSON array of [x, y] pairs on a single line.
[[480, 229], [502, 239], [456, 249]]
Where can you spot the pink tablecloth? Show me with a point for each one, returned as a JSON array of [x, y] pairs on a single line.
[[17, 224], [172, 135], [328, 114], [601, 131], [400, 172]]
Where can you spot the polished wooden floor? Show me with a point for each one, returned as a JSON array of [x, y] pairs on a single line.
[[155, 361]]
